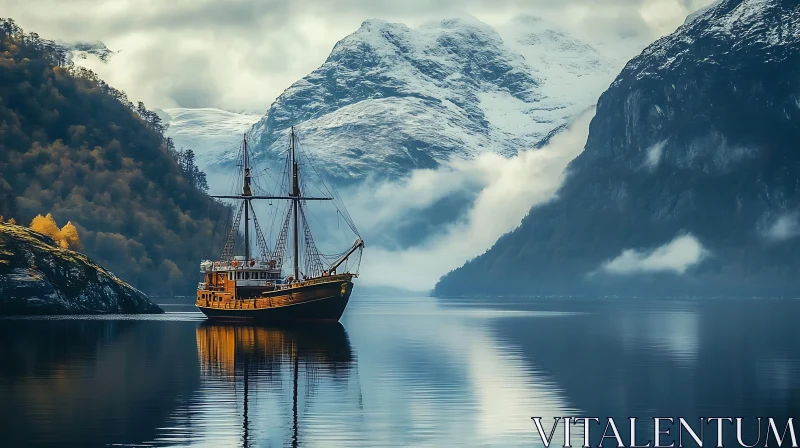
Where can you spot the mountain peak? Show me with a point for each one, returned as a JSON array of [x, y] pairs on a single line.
[[390, 98], [724, 34], [374, 25], [464, 21], [693, 16], [397, 37]]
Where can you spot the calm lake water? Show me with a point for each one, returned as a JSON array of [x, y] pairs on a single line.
[[395, 372]]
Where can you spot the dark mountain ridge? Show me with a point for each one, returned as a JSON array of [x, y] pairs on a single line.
[[698, 137]]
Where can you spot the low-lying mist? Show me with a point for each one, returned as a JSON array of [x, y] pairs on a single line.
[[493, 195], [420, 227]]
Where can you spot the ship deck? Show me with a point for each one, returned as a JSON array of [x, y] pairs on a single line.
[[322, 298]]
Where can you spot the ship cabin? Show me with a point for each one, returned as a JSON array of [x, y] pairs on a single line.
[[239, 278]]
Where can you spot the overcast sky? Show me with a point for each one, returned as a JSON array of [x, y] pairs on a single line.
[[241, 54]]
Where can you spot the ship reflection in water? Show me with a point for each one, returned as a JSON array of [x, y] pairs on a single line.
[[253, 366]]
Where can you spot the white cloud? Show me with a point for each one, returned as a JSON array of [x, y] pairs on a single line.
[[785, 227], [676, 256], [242, 54], [663, 15], [654, 154], [506, 191]]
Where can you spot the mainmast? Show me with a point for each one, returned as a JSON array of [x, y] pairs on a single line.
[[246, 193], [295, 194]]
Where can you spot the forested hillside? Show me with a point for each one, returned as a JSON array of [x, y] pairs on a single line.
[[73, 146]]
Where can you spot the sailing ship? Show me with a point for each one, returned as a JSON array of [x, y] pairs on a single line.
[[246, 287]]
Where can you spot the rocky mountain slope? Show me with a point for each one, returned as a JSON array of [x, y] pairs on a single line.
[[689, 182], [390, 98], [39, 277]]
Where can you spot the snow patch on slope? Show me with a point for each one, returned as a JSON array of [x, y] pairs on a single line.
[[653, 154], [573, 71], [509, 114]]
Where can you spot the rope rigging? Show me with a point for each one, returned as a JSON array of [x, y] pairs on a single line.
[[331, 192], [306, 253], [230, 243], [262, 243]]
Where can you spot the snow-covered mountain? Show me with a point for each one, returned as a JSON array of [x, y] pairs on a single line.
[[690, 179], [390, 98], [210, 133], [691, 17]]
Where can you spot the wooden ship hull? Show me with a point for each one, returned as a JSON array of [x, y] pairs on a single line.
[[317, 301]]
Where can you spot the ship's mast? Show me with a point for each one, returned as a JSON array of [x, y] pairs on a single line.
[[246, 193], [295, 214], [295, 194]]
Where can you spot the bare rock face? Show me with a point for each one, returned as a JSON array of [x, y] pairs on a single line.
[[39, 277], [689, 182]]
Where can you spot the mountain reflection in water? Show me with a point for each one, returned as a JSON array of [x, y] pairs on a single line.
[[398, 371]]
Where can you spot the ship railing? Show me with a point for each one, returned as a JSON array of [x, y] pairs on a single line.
[[315, 281], [240, 265], [203, 286]]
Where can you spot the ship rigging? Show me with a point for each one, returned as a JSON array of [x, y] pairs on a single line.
[[246, 287]]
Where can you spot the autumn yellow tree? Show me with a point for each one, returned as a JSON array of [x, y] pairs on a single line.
[[46, 225], [69, 237], [66, 237]]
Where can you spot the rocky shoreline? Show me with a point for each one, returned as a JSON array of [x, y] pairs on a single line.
[[39, 277]]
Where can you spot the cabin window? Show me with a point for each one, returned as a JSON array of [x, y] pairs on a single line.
[[230, 275], [263, 275], [238, 275], [247, 275]]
